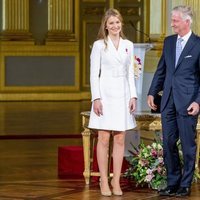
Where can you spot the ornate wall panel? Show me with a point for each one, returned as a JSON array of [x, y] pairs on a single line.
[[31, 72], [61, 24], [47, 68], [63, 32], [134, 14], [160, 26], [91, 14], [15, 20], [1, 10], [177, 2], [158, 23], [39, 71], [195, 4]]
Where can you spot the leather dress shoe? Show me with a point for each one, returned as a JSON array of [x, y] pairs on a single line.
[[168, 191], [183, 191]]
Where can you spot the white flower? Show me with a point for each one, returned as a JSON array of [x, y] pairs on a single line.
[[154, 145], [148, 178], [159, 146], [160, 159], [149, 171], [137, 67], [146, 155]]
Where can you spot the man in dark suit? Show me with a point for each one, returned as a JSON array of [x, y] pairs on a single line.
[[178, 75]]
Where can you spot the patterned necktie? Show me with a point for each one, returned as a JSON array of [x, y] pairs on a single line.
[[178, 49]]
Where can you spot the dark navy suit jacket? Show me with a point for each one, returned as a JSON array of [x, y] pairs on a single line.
[[184, 79]]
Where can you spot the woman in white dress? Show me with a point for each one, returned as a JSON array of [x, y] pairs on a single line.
[[113, 95]]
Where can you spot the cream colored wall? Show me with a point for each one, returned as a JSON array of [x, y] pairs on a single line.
[[177, 2], [159, 28], [155, 25], [160, 12], [160, 19], [195, 4]]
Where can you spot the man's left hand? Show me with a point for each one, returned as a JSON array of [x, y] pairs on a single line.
[[193, 109]]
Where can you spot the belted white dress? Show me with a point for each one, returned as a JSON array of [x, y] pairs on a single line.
[[112, 81]]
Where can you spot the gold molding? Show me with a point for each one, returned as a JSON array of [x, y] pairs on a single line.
[[9, 48], [84, 48], [151, 60], [62, 20], [94, 1], [15, 20], [84, 57], [164, 18], [158, 23], [111, 3], [60, 15], [48, 96], [147, 16], [195, 5]]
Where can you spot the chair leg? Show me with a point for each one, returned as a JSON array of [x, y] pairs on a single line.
[[86, 152]]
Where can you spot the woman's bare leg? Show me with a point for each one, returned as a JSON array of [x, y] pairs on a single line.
[[102, 159], [118, 155]]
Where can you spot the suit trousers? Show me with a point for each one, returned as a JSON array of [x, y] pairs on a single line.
[[176, 125]]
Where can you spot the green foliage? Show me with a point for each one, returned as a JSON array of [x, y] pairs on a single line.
[[147, 165]]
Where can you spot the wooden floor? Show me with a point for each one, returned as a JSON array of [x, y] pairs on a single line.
[[30, 134]]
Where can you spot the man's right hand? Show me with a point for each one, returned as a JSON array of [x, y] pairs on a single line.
[[150, 102]]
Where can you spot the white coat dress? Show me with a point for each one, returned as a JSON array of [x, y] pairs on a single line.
[[112, 81]]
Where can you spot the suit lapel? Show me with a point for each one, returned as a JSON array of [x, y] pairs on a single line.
[[189, 45], [173, 51], [113, 51]]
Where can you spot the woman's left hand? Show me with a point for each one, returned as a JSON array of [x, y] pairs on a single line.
[[132, 104]]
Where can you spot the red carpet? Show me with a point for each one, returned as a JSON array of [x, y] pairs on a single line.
[[71, 162]]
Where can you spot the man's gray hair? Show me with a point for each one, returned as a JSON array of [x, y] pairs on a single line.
[[186, 12]]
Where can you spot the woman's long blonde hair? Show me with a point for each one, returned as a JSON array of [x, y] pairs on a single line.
[[103, 32]]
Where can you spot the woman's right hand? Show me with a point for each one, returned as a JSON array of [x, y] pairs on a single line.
[[97, 107]]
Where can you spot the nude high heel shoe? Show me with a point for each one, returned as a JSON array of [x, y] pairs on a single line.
[[116, 192], [105, 193]]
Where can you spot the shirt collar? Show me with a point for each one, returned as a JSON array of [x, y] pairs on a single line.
[[185, 37]]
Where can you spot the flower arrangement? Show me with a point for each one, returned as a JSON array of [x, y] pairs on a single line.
[[147, 166], [137, 67]]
